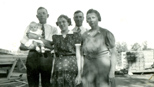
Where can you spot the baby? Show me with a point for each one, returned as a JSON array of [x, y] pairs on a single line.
[[35, 29]]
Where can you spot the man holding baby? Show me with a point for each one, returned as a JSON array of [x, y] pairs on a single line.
[[39, 59]]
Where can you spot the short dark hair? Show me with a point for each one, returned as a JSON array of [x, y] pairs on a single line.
[[96, 12], [66, 17], [42, 8], [78, 11]]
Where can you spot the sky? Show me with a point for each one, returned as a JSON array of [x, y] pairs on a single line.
[[130, 21]]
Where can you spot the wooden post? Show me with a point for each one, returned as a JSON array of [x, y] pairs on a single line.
[[151, 77], [22, 63], [12, 68]]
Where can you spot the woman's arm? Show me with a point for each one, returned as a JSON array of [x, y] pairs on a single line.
[[113, 60], [78, 56], [79, 63], [82, 63]]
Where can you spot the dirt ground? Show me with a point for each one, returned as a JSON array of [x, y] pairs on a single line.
[[135, 80]]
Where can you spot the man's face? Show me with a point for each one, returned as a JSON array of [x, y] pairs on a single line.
[[78, 18], [42, 15]]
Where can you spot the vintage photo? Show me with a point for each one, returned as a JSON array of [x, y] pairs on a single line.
[[77, 43]]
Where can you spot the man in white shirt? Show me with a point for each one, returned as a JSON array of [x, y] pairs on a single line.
[[78, 18], [37, 62]]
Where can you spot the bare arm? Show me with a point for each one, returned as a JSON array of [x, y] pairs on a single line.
[[79, 63], [113, 60], [78, 56]]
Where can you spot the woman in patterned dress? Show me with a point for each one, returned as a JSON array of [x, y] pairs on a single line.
[[98, 49], [67, 68]]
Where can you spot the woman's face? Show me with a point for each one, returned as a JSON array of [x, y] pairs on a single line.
[[62, 23], [92, 19]]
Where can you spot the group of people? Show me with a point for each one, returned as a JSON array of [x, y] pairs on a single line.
[[82, 57]]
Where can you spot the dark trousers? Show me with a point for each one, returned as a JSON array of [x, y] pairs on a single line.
[[36, 64]]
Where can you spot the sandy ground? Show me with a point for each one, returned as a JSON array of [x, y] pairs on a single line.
[[121, 81], [135, 81]]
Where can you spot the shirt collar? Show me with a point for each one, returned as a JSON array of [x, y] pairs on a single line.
[[69, 32], [78, 27], [98, 31], [41, 24]]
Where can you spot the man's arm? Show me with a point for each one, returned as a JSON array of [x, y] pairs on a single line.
[[47, 43], [32, 36], [24, 48]]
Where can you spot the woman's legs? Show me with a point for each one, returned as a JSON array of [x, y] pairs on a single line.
[[95, 72], [65, 71]]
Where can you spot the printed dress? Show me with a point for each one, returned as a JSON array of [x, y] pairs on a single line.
[[65, 68], [97, 58]]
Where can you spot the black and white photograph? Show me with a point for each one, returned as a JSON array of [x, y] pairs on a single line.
[[77, 43]]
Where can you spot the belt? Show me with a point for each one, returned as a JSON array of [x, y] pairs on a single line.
[[36, 51], [60, 55], [45, 54]]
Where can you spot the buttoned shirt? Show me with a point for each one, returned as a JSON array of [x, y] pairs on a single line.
[[82, 29]]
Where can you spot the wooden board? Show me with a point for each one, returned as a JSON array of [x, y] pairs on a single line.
[[9, 59], [143, 71]]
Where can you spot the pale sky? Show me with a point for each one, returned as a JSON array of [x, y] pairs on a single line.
[[129, 20]]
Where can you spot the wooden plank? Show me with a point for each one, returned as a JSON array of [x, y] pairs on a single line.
[[5, 80], [12, 56], [7, 83], [3, 71], [22, 63], [9, 59], [140, 71], [6, 63], [12, 68]]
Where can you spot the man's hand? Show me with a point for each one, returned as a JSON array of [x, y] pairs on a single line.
[[48, 44], [31, 47]]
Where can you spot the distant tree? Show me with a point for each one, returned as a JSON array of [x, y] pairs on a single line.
[[145, 46], [124, 47], [121, 47], [131, 58], [136, 47], [118, 47]]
